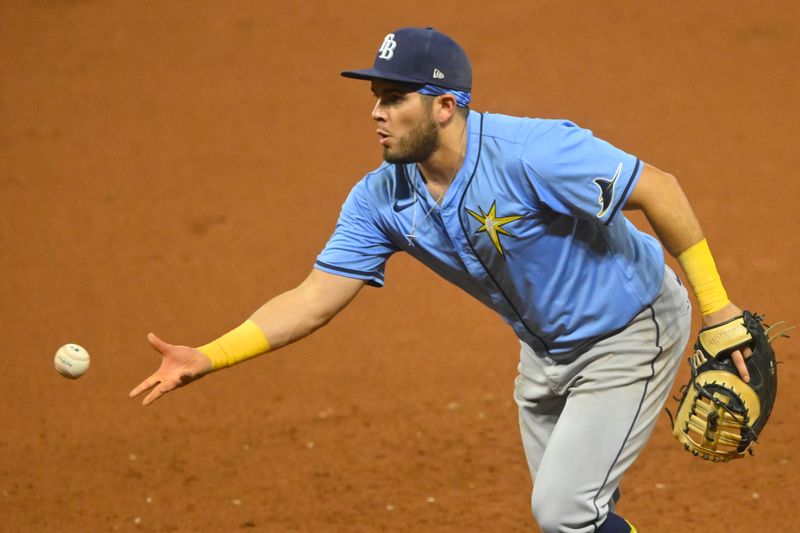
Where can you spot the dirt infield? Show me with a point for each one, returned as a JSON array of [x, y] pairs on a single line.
[[168, 166]]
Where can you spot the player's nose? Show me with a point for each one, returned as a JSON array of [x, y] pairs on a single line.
[[378, 113]]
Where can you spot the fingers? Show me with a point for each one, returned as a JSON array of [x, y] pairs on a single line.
[[143, 386], [163, 388], [153, 380], [175, 371], [160, 389], [157, 343], [160, 381], [154, 395], [741, 367]]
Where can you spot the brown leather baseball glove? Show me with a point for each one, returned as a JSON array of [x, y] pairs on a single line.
[[720, 416]]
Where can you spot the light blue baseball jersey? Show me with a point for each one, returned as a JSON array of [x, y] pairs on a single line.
[[531, 226]]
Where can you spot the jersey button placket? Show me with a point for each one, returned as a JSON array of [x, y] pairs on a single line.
[[452, 227]]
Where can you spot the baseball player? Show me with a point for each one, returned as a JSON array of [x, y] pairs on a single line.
[[526, 215]]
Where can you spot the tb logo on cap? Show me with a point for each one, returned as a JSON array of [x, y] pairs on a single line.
[[387, 47]]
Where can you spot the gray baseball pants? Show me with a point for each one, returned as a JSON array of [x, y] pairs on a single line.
[[585, 420]]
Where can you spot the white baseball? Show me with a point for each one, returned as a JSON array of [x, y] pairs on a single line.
[[71, 361]]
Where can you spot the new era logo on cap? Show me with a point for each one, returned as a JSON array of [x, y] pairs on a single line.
[[419, 56]]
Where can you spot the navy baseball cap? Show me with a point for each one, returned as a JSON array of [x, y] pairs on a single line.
[[421, 56]]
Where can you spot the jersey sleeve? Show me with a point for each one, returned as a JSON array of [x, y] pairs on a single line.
[[577, 174], [358, 247]]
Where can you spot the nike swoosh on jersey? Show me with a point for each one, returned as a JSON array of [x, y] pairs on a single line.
[[398, 207]]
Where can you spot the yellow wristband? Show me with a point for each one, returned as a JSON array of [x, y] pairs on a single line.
[[698, 264], [240, 344]]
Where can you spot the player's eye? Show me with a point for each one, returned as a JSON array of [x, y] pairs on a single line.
[[393, 98]]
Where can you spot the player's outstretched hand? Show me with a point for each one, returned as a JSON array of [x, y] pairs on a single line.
[[737, 356], [179, 365]]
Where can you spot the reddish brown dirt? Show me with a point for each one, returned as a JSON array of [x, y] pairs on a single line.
[[169, 166]]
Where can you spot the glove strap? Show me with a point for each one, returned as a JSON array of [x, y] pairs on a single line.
[[725, 336]]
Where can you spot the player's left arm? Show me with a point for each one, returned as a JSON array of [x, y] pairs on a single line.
[[662, 200]]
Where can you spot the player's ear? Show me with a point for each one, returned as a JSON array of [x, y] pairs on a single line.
[[444, 107]]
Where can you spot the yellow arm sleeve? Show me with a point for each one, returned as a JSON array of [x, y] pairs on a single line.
[[239, 344], [701, 271]]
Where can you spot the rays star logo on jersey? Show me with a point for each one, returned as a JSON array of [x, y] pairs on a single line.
[[606, 198], [493, 225]]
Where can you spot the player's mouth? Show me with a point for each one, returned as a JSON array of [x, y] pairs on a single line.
[[383, 137]]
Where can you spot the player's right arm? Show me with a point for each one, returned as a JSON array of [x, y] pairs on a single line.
[[284, 319]]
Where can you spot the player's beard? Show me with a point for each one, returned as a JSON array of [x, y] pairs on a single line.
[[418, 144]]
